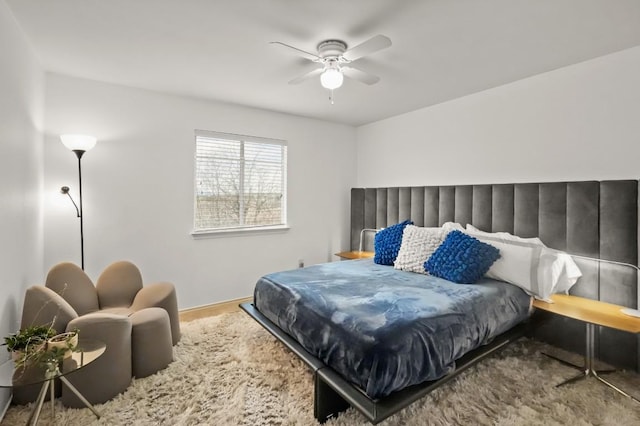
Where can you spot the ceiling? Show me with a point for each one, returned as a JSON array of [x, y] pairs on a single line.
[[219, 49]]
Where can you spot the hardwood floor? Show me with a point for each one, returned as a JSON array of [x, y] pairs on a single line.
[[212, 310]]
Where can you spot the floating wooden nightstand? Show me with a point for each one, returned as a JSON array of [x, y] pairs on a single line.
[[360, 253], [350, 255], [592, 313]]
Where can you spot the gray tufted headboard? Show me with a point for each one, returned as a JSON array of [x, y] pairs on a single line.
[[590, 218]]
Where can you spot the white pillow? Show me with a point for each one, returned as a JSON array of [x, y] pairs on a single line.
[[518, 264], [452, 226], [529, 264], [418, 244], [504, 236], [559, 269]]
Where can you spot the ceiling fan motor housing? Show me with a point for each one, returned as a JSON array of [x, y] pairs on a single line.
[[331, 48]]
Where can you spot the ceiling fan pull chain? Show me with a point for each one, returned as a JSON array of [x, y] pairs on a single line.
[[331, 96]]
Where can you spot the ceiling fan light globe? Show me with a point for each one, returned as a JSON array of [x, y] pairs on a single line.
[[331, 79]]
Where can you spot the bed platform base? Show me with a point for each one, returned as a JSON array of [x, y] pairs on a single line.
[[333, 394]]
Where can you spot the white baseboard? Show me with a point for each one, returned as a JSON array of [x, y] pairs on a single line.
[[212, 309]]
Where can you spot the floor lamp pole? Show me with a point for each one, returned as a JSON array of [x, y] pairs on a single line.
[[79, 154], [79, 144]]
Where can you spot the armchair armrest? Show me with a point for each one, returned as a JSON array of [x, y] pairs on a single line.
[[112, 329], [153, 296], [110, 374], [160, 295], [44, 306]]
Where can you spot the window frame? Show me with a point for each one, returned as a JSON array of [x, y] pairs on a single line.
[[240, 229]]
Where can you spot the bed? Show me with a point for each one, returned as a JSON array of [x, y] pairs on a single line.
[[596, 219], [384, 329]]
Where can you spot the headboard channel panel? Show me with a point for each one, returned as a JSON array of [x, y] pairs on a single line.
[[502, 205], [463, 204], [431, 206], [526, 203], [552, 222], [587, 218], [447, 210], [481, 206]]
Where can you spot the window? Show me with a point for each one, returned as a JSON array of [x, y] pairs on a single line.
[[241, 182]]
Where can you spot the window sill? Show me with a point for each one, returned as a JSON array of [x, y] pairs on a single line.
[[237, 232]]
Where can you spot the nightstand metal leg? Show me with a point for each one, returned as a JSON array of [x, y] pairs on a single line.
[[564, 362], [614, 387], [589, 364], [574, 379]]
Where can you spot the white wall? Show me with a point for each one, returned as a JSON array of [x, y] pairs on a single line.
[[576, 123], [21, 80], [138, 188]]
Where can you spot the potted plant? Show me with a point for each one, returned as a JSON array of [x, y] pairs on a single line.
[[29, 343], [61, 345]]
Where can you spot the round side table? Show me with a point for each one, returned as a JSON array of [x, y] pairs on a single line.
[[87, 351]]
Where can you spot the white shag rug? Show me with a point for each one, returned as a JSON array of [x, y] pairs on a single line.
[[229, 371]]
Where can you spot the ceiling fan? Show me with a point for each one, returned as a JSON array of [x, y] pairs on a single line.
[[335, 61]]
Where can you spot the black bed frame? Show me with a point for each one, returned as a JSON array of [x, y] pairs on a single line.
[[333, 394], [598, 219]]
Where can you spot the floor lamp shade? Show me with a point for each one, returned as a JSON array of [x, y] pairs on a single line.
[[78, 142]]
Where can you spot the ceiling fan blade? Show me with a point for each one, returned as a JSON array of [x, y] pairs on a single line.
[[304, 54], [306, 76], [374, 44], [359, 75]]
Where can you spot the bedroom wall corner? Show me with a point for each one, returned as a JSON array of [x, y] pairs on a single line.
[[21, 104]]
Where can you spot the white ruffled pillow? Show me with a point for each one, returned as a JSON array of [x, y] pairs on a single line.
[[418, 244]]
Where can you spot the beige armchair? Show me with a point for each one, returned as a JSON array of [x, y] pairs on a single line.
[[119, 290], [111, 372], [119, 311]]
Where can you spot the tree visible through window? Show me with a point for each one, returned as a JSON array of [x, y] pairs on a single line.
[[240, 181]]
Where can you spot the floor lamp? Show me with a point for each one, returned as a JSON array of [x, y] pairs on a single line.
[[79, 144]]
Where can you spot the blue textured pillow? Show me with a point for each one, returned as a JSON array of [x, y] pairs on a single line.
[[461, 258], [387, 243]]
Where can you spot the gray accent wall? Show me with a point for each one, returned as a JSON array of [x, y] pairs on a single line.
[[597, 219]]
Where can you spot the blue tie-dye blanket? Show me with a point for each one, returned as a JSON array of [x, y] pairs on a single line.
[[385, 329]]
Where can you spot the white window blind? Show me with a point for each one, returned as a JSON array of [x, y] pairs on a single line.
[[240, 181]]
